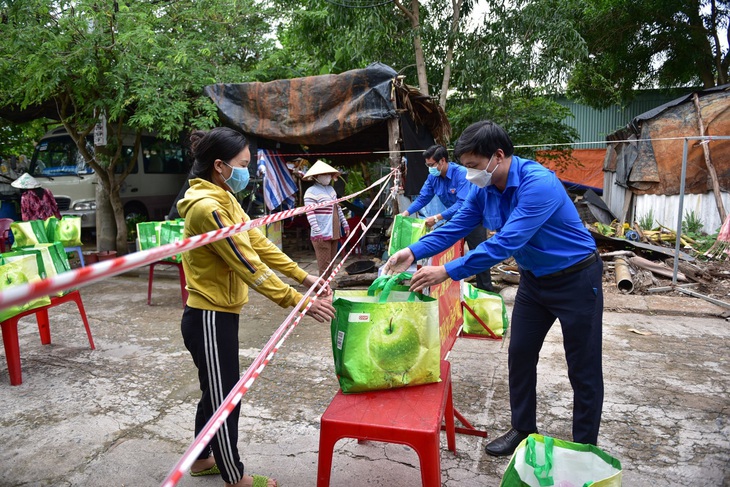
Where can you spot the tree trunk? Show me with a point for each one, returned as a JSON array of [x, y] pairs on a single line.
[[106, 230], [413, 15], [418, 47], [120, 222], [450, 52]]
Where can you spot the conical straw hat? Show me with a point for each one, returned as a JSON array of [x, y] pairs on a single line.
[[320, 167], [26, 181]]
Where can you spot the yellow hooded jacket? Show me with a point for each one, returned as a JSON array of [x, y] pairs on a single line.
[[218, 274]]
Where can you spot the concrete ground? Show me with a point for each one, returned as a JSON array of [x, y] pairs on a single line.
[[122, 415]]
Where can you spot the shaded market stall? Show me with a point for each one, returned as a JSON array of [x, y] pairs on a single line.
[[357, 116]]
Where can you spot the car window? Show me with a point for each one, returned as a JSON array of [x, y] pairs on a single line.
[[163, 157], [58, 156]]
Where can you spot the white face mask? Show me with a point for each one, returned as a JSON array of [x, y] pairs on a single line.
[[481, 177], [324, 179]]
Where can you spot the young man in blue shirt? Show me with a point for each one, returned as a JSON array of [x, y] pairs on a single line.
[[447, 180], [560, 274]]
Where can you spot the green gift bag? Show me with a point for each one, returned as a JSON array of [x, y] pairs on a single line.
[[541, 461], [51, 259], [406, 231], [172, 231], [488, 306], [67, 230], [29, 233], [385, 337], [55, 260], [51, 223], [148, 234], [16, 270]]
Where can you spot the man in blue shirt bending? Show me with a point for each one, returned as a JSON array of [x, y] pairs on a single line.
[[560, 274], [448, 181]]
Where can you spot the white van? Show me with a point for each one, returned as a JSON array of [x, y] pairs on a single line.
[[149, 190]]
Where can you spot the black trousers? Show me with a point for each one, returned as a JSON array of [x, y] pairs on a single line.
[[477, 236], [575, 299], [212, 339]]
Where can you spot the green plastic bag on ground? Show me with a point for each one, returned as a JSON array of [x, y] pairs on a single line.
[[541, 461], [16, 270], [170, 232], [406, 231], [488, 306], [385, 337], [67, 230], [28, 233]]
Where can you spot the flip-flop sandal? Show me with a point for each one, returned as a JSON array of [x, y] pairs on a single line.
[[214, 470], [261, 481]]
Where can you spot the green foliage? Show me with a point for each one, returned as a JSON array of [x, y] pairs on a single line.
[[355, 181], [703, 242], [142, 65], [132, 221], [648, 44], [692, 223], [20, 138], [319, 37], [533, 123], [646, 222], [604, 229]]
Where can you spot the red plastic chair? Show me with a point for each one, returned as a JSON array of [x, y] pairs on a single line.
[[5, 233], [10, 332], [410, 416], [181, 272]]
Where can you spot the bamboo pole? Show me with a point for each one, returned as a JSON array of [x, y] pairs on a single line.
[[394, 148], [708, 161]]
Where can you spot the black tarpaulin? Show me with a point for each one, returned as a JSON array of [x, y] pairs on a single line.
[[311, 111]]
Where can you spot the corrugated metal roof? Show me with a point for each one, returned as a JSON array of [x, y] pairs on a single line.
[[594, 125]]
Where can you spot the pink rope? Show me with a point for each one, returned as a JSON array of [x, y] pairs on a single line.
[[254, 370], [88, 275]]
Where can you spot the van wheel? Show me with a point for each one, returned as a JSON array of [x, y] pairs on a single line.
[[135, 210]]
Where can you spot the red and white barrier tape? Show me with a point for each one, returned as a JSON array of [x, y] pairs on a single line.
[[87, 275], [262, 359]]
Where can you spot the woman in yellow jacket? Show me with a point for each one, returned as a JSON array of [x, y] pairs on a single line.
[[218, 277]]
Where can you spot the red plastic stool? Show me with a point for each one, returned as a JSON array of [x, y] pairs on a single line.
[[410, 416], [10, 332], [182, 280]]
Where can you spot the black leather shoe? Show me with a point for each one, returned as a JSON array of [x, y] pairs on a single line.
[[506, 444]]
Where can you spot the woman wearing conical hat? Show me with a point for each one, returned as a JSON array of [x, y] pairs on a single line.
[[328, 222], [36, 203]]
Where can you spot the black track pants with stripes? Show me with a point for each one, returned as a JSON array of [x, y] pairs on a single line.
[[212, 339]]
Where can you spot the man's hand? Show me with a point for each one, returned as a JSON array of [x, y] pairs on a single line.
[[399, 262], [428, 276], [311, 280], [322, 309], [405, 213], [431, 220]]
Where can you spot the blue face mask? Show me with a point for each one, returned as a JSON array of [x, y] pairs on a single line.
[[434, 171], [238, 179]]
